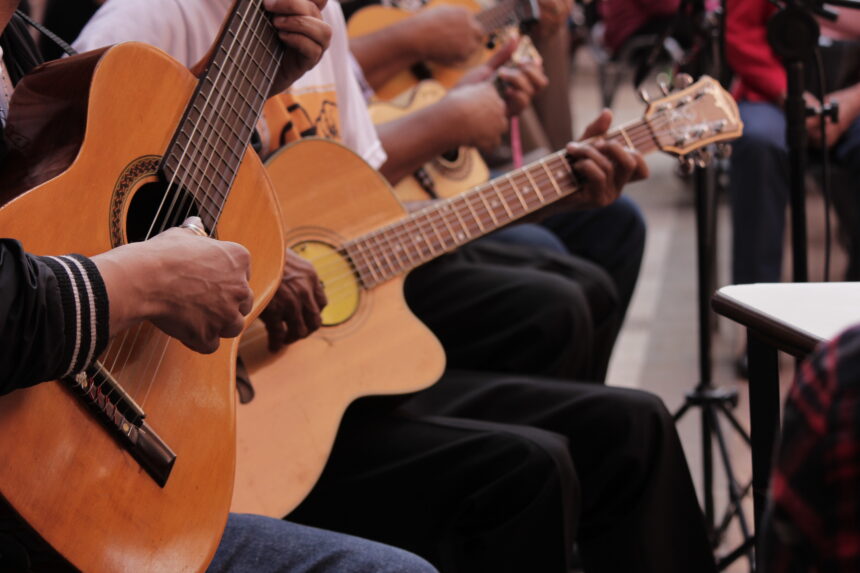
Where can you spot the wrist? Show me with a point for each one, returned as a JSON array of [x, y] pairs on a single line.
[[129, 276]]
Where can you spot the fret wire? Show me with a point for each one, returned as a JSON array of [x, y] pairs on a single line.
[[551, 178], [472, 210], [353, 254], [398, 252], [454, 208], [385, 263], [462, 222], [501, 198], [225, 117], [375, 261], [368, 265], [206, 96], [516, 191], [534, 186]]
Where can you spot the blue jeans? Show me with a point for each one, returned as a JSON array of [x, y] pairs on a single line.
[[760, 192], [256, 544]]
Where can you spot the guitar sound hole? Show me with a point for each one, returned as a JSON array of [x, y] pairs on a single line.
[[153, 202], [451, 155]]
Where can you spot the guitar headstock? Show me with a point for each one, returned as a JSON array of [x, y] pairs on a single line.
[[686, 121]]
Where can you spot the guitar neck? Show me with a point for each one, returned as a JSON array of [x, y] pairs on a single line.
[[214, 133], [495, 18], [446, 225]]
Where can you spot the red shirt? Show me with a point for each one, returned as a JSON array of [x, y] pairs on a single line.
[[624, 17], [760, 74]]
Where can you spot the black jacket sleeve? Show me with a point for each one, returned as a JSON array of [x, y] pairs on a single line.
[[54, 316]]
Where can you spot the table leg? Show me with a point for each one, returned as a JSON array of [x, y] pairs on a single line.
[[764, 422]]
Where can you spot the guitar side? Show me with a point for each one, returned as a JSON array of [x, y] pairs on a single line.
[[68, 477], [285, 434], [375, 18], [451, 174]]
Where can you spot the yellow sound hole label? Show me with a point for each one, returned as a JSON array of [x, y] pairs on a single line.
[[338, 278]]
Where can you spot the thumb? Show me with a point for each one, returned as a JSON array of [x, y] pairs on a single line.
[[503, 54], [599, 126]]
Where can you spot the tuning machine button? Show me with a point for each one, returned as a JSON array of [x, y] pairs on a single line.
[[686, 164], [724, 150], [643, 95], [683, 81], [703, 158]]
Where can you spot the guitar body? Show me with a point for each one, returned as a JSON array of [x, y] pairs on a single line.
[[374, 345], [95, 125], [452, 173], [375, 18]]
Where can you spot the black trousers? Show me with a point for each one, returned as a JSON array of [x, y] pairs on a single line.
[[492, 473], [519, 309]]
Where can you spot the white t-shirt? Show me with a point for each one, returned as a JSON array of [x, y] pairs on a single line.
[[185, 29]]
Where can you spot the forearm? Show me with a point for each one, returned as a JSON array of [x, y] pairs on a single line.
[[417, 138], [385, 53], [129, 288], [53, 316]]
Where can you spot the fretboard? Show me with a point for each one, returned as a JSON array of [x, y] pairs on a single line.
[[214, 133], [445, 225], [501, 15]]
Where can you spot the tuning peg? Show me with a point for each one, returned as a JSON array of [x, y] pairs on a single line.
[[703, 158], [663, 83], [643, 95], [724, 150], [683, 81], [687, 165]]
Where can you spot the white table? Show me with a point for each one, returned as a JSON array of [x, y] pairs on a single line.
[[787, 317]]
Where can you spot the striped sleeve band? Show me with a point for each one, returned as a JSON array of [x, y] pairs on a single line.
[[85, 309]]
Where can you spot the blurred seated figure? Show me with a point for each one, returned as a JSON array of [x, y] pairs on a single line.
[[813, 518], [625, 18], [624, 35], [760, 165]]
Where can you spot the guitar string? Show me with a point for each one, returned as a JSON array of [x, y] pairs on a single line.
[[453, 223], [134, 386], [450, 216], [119, 352], [152, 347], [221, 99], [253, 84], [521, 177], [454, 215]]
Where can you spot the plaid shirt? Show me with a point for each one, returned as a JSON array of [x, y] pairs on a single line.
[[813, 519]]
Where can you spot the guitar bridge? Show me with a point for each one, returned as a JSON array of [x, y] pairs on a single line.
[[124, 419]]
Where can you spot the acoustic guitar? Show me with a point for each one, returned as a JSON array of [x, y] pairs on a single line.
[[456, 170], [492, 20], [445, 175], [348, 223], [130, 466]]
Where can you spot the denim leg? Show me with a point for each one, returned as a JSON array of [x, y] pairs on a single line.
[[612, 237], [256, 544], [759, 194]]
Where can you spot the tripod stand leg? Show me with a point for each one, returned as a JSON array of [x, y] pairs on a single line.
[[734, 490], [707, 472]]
